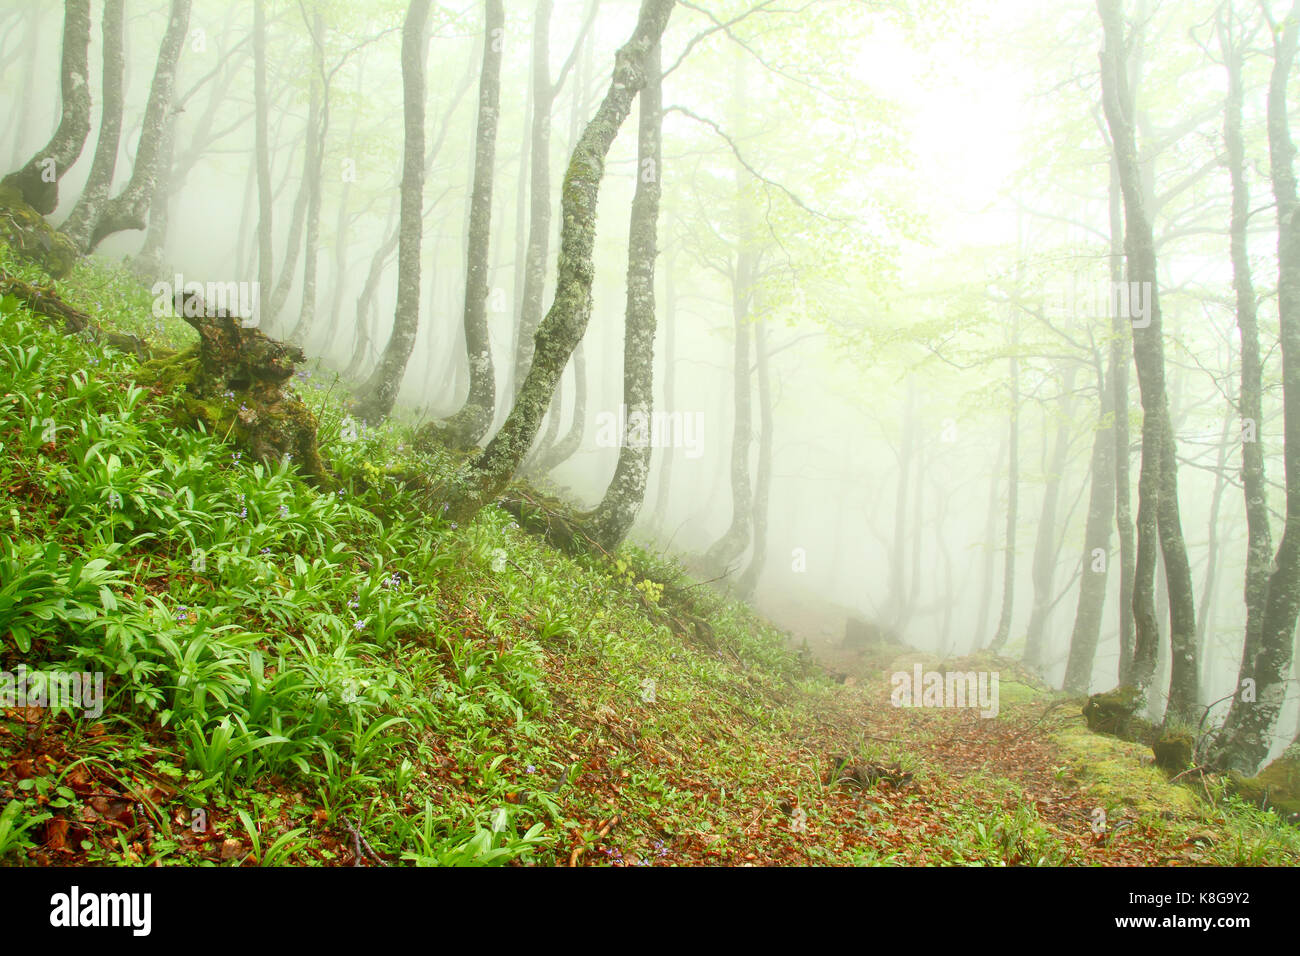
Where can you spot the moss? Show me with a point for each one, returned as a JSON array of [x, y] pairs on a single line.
[[232, 396], [1116, 773], [32, 238], [1115, 712], [1174, 749], [1277, 785]]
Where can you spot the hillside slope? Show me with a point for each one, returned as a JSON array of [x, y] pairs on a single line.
[[335, 676]]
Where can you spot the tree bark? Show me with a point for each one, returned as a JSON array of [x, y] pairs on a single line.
[[1246, 737], [129, 208], [471, 423], [613, 517], [566, 322], [38, 181], [1159, 523], [748, 582], [1013, 495], [1096, 537], [1046, 540], [376, 405], [93, 196]]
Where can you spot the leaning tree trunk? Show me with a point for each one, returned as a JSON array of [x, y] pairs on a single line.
[[612, 519], [128, 209], [1096, 547], [1246, 741], [1159, 523], [378, 402], [38, 181], [471, 423], [566, 322], [93, 196]]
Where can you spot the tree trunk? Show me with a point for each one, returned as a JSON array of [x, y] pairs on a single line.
[[1246, 737], [129, 208], [471, 423], [1096, 538], [990, 531], [1046, 541], [670, 381], [311, 250], [613, 517], [566, 322], [87, 210], [763, 485], [1118, 372], [262, 147], [38, 181], [1159, 523], [1013, 495], [376, 405]]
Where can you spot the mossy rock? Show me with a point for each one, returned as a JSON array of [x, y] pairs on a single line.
[[1174, 750], [1115, 712], [1277, 785], [34, 239]]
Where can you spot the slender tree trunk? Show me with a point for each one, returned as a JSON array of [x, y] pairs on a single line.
[[1159, 523], [1046, 540], [670, 381], [990, 531], [311, 251], [613, 517], [95, 193], [1118, 372], [1259, 537], [566, 322], [1096, 547], [376, 405], [293, 246], [763, 485], [471, 423], [38, 181], [262, 149], [128, 209], [1013, 495], [1247, 734]]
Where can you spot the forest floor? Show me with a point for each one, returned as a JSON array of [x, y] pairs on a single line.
[[340, 677]]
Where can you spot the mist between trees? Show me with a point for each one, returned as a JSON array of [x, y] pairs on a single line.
[[978, 321]]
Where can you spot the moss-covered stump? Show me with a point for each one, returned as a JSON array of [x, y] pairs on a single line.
[[1115, 712], [233, 382], [34, 239], [1174, 750], [1277, 785]]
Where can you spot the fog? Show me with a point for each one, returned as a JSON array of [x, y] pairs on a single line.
[[909, 209]]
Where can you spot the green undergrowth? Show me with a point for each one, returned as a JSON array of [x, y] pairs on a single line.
[[302, 676]]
